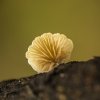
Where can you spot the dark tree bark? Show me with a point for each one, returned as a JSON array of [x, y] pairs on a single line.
[[70, 81]]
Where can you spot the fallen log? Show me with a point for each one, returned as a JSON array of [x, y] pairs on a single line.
[[71, 81]]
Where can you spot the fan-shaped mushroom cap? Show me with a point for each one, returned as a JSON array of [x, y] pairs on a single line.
[[49, 50]]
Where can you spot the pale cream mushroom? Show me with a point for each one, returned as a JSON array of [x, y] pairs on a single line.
[[49, 50]]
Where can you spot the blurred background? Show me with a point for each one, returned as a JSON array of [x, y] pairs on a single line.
[[22, 20]]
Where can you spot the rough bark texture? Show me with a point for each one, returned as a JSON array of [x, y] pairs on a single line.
[[70, 81]]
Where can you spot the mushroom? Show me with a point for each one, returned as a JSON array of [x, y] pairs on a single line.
[[48, 51]]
